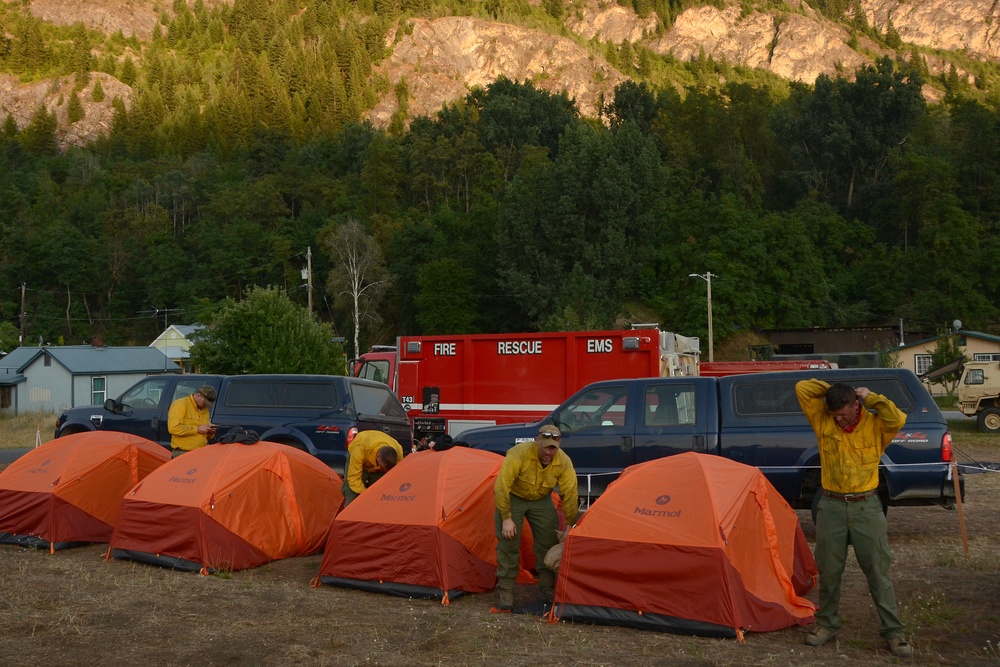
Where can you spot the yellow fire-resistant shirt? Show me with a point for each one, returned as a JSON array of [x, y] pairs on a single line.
[[849, 460], [522, 474], [183, 420], [363, 452]]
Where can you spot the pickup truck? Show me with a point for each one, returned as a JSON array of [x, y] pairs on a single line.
[[318, 414], [753, 418]]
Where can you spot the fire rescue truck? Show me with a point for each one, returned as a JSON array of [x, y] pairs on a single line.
[[451, 383]]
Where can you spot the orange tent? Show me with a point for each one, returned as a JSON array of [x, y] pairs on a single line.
[[68, 491], [426, 529], [692, 543], [229, 507]]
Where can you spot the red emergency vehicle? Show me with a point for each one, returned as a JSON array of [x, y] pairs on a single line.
[[451, 383]]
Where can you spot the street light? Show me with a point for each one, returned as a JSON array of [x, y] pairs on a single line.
[[707, 277]]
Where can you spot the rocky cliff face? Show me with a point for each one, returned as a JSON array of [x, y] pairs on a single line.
[[442, 59], [972, 26]]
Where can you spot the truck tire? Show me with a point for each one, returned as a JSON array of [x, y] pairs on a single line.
[[989, 420]]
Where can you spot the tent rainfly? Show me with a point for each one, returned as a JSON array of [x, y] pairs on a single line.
[[692, 544], [68, 491]]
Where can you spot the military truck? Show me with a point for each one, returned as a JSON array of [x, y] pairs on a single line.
[[979, 394]]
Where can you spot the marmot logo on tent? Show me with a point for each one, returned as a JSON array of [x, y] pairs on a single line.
[[41, 468], [645, 511], [403, 499], [663, 500], [185, 480], [404, 487]]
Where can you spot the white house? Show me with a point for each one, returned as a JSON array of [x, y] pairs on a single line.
[[175, 342], [52, 378]]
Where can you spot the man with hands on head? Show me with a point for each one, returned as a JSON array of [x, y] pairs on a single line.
[[851, 441], [523, 491]]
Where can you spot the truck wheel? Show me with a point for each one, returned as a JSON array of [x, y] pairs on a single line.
[[989, 420]]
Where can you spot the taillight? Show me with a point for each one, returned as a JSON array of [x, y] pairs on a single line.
[[946, 447], [351, 434]]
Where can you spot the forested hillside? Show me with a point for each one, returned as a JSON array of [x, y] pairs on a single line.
[[242, 145]]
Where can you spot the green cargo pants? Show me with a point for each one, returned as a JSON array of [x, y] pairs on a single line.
[[863, 525], [541, 516]]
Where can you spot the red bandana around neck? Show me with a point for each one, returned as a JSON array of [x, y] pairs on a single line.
[[857, 419]]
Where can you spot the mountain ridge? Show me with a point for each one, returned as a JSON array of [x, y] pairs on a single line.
[[441, 59]]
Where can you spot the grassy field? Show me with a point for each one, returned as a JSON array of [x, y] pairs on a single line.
[[19, 432]]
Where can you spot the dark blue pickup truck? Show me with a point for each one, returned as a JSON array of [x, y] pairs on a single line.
[[754, 419], [314, 413]]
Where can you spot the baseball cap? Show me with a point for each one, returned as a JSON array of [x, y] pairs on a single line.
[[208, 391]]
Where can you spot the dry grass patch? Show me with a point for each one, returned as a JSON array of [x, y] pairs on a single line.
[[20, 431]]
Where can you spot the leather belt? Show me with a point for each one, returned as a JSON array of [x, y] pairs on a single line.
[[849, 497]]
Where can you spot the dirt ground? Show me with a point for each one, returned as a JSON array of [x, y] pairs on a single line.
[[76, 608]]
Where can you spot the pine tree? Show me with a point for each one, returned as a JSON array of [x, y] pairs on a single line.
[[74, 110], [39, 137], [97, 94], [9, 127], [128, 75]]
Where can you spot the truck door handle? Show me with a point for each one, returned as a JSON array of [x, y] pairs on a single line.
[[698, 443], [155, 422], [626, 443]]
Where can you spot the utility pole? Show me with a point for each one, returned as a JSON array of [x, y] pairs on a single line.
[[20, 340], [707, 277], [309, 270]]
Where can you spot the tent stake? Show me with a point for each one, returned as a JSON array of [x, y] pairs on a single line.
[[958, 504]]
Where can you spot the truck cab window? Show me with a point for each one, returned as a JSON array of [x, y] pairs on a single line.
[[669, 405], [605, 406], [375, 370], [146, 395]]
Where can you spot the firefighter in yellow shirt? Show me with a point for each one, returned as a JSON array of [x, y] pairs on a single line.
[[851, 441], [188, 421], [370, 455], [523, 490]]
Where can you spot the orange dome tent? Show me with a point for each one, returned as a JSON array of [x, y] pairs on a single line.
[[426, 529], [693, 544], [68, 491], [229, 507]]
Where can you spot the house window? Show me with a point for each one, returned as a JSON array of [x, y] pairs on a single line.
[[5, 394], [98, 390], [921, 363], [986, 356], [46, 360]]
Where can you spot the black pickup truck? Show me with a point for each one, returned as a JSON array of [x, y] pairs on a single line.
[[314, 413], [755, 419]]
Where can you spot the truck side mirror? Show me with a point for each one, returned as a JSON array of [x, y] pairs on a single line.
[[110, 405]]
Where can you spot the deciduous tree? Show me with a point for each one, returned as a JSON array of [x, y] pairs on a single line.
[[266, 333]]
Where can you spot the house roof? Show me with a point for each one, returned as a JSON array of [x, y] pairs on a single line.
[[87, 359], [185, 330], [17, 359], [960, 332]]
